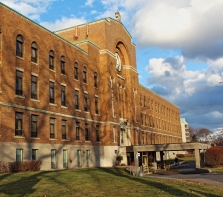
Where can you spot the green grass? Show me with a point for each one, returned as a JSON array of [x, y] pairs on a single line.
[[99, 182]]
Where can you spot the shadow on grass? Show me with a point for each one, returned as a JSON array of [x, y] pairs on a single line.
[[158, 185], [20, 185]]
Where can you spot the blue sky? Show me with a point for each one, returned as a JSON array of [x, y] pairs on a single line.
[[179, 46]]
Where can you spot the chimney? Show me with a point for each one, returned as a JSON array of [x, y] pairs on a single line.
[[118, 16]]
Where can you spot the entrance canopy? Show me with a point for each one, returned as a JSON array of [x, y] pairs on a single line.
[[197, 147]]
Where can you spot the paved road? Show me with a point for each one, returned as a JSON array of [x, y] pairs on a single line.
[[187, 172]]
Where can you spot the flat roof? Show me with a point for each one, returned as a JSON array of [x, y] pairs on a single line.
[[167, 147]]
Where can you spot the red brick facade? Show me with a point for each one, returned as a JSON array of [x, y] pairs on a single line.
[[118, 103]]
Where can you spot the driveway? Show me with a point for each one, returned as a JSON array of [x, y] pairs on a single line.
[[188, 172]]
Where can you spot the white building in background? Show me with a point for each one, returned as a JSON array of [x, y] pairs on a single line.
[[185, 130]]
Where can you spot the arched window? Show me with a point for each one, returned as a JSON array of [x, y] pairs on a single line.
[[76, 70], [19, 46], [34, 49], [95, 80], [62, 65], [51, 60], [85, 74]]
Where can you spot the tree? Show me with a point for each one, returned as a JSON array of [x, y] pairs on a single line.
[[199, 134], [219, 141]]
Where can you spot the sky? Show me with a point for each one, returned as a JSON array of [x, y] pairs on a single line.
[[179, 46]]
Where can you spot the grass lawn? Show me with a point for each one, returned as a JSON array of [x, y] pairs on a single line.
[[99, 182], [216, 170]]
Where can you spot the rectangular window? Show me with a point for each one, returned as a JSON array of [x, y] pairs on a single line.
[[52, 128], [19, 155], [95, 80], [86, 133], [63, 95], [19, 76], [85, 102], [88, 158], [34, 87], [122, 136], [52, 92], [96, 105], [53, 159], [97, 133], [34, 120], [114, 134], [18, 124], [34, 154], [65, 159], [64, 129], [140, 101], [144, 101], [76, 70], [77, 131], [76, 99], [79, 158]]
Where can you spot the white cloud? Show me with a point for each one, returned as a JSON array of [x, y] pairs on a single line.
[[197, 92], [30, 8], [63, 23], [89, 2]]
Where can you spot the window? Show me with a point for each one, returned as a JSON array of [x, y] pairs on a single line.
[[62, 65], [19, 155], [53, 159], [85, 102], [34, 52], [114, 134], [85, 74], [79, 158], [77, 131], [52, 128], [140, 101], [51, 60], [52, 92], [96, 105], [97, 134], [34, 154], [34, 80], [144, 101], [19, 76], [63, 95], [76, 70], [95, 80], [64, 129], [86, 133], [19, 46], [88, 157], [141, 118], [64, 158], [122, 136], [76, 99], [18, 124], [34, 121]]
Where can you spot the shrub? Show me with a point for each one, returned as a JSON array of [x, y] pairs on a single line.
[[214, 156], [24, 166], [119, 158]]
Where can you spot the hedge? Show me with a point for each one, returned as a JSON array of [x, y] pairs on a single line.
[[214, 156], [24, 166]]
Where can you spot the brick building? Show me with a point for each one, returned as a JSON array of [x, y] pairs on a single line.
[[71, 98]]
